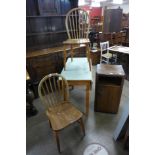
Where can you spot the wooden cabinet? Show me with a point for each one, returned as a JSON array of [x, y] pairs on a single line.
[[108, 89], [45, 22], [112, 20]]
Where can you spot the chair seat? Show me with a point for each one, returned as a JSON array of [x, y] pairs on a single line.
[[76, 41], [107, 55], [63, 115]]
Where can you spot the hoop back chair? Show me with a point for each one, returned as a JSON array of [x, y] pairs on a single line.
[[77, 26], [54, 94], [105, 55]]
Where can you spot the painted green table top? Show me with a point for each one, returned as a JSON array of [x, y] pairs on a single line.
[[78, 69]]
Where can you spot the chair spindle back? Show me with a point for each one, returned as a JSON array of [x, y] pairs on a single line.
[[77, 23], [53, 90]]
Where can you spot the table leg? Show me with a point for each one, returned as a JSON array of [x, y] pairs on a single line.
[[64, 58], [88, 55], [87, 97]]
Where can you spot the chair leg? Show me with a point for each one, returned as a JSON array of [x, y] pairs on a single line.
[[50, 123], [107, 60], [82, 126], [71, 52], [64, 57], [88, 55], [57, 140]]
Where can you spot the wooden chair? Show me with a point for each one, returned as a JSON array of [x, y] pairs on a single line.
[[77, 26], [105, 55], [54, 94]]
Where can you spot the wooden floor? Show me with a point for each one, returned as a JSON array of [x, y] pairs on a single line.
[[99, 128]]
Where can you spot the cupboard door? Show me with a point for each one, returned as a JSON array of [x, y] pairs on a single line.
[[107, 98]]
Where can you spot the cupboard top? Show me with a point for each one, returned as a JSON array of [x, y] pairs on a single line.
[[110, 70]]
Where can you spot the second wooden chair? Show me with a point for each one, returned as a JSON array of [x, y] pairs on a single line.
[[54, 94]]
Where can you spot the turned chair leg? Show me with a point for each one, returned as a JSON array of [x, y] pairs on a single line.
[[82, 126], [88, 56], [72, 52], [57, 140], [50, 123], [65, 57]]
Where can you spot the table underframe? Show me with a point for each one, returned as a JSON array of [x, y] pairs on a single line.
[[87, 84]]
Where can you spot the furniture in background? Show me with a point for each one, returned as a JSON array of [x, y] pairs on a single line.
[[94, 38], [77, 26], [108, 88], [116, 38], [77, 73], [30, 109], [119, 49], [122, 57], [125, 20], [54, 94], [107, 37], [112, 20], [45, 22], [122, 124], [121, 132], [105, 55], [126, 31], [42, 62], [95, 56], [96, 24]]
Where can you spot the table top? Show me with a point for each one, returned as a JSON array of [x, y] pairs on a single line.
[[110, 70], [121, 49], [77, 70]]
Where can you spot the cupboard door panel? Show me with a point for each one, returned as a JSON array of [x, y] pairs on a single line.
[[107, 99]]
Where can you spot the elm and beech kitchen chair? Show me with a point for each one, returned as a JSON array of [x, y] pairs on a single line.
[[54, 94], [77, 26]]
